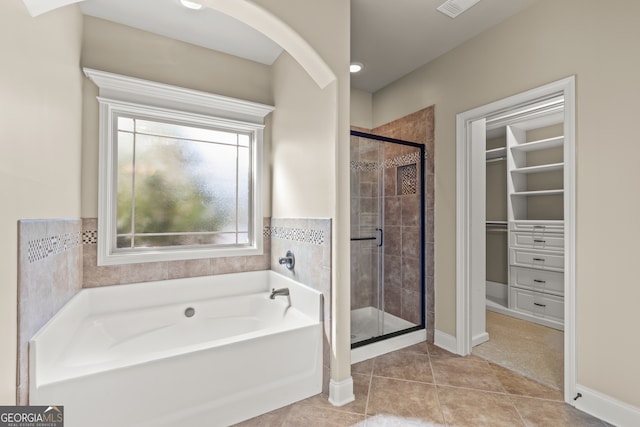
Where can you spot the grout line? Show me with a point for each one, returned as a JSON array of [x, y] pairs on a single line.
[[366, 405], [435, 385]]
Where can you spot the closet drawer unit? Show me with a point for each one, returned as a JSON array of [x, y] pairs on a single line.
[[550, 242], [534, 227], [538, 304], [532, 259], [538, 280]]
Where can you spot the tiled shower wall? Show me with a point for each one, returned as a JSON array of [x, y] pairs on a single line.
[[365, 179], [49, 274], [418, 127], [402, 292], [386, 174]]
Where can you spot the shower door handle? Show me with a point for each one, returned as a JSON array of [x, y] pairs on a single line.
[[381, 236]]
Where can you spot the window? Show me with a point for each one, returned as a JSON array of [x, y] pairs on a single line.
[[176, 183]]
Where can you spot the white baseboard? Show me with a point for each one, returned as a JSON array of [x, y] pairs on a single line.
[[341, 392], [445, 341], [607, 408], [479, 339]]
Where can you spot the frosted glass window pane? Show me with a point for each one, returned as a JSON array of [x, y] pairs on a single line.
[[177, 189], [183, 185], [125, 182], [244, 140], [125, 124], [185, 132], [243, 185]]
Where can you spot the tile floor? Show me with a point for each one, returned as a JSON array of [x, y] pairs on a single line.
[[426, 383]]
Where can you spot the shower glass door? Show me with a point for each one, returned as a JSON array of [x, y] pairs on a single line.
[[387, 238]]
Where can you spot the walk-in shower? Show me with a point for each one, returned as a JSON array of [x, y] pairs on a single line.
[[387, 238]]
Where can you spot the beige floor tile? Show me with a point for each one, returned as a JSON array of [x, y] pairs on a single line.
[[421, 348], [303, 415], [404, 365], [364, 367], [466, 372], [544, 413], [522, 386], [435, 351], [270, 419], [472, 408], [405, 399]]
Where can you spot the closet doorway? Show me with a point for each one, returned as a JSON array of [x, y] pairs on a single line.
[[516, 220]]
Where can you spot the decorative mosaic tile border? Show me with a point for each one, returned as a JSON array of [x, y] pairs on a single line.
[[403, 160], [357, 165], [314, 237], [40, 249], [90, 237], [394, 162]]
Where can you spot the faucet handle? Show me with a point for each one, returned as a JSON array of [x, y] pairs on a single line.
[[288, 261]]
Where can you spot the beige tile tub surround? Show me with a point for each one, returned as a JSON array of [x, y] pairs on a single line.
[[49, 274], [310, 241], [95, 275]]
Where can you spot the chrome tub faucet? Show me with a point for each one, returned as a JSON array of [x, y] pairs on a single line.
[[288, 261], [276, 292]]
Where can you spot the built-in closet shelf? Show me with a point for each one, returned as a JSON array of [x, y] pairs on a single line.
[[538, 193], [497, 154], [538, 169], [542, 144]]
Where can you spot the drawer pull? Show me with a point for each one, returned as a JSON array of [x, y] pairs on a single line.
[[539, 241], [539, 281], [539, 259], [539, 305]]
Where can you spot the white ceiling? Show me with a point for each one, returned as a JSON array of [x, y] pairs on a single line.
[[391, 38]]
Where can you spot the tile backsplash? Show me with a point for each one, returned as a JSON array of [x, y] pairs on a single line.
[[49, 274], [310, 242], [95, 275]]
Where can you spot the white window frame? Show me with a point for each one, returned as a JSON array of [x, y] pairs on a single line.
[[126, 95]]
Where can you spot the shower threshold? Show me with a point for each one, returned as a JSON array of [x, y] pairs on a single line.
[[401, 333], [367, 322]]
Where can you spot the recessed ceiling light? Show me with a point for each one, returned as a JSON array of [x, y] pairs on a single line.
[[191, 5], [355, 67]]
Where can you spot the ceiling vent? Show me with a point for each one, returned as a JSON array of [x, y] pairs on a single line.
[[453, 8]]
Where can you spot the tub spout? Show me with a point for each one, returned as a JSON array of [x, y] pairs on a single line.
[[281, 291]]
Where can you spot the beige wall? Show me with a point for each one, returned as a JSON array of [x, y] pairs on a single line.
[[553, 39], [40, 114], [124, 50], [303, 149], [361, 109], [311, 144]]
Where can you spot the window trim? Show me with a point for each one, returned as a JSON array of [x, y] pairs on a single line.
[[126, 95]]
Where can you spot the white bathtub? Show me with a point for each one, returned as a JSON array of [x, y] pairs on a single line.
[[129, 356]]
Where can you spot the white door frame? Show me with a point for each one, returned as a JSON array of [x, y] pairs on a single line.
[[468, 209]]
